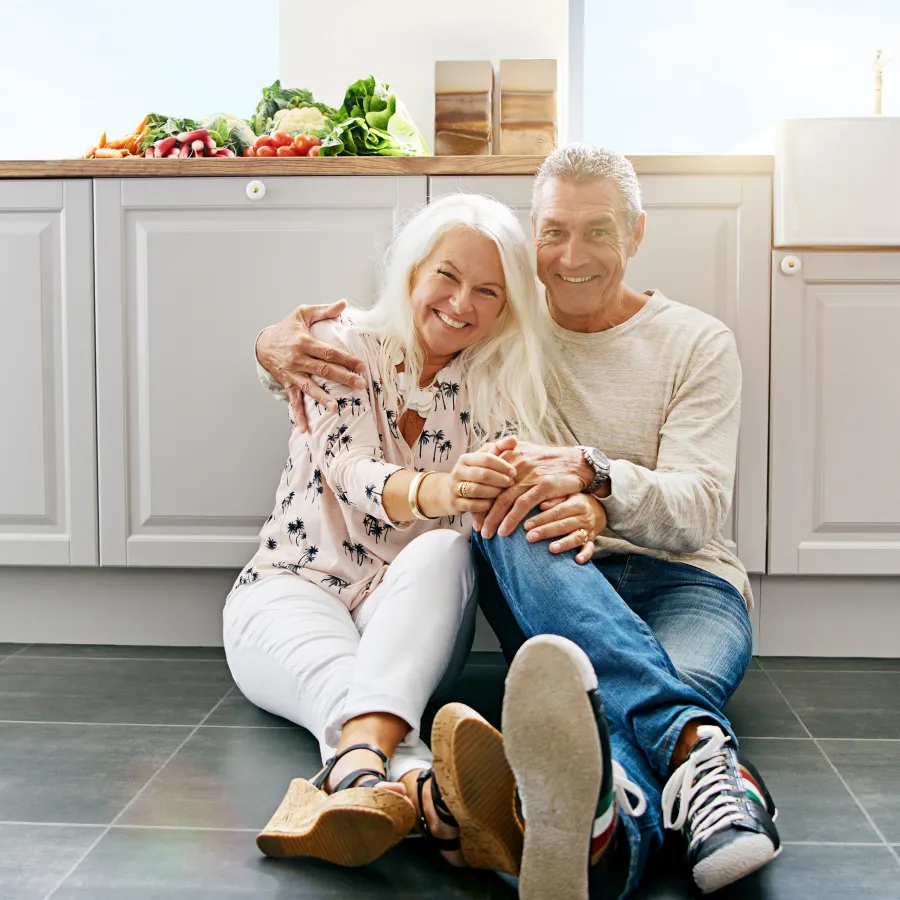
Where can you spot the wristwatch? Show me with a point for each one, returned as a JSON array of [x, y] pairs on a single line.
[[599, 462]]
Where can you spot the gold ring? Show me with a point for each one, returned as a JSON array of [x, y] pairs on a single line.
[[463, 489], [586, 536]]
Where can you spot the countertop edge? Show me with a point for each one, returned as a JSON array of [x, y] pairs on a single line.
[[373, 165]]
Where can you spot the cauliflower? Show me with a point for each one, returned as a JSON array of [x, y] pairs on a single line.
[[305, 119]]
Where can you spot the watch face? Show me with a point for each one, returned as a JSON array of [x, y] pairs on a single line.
[[600, 458]]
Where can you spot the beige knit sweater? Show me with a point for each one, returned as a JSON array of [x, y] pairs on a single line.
[[660, 394]]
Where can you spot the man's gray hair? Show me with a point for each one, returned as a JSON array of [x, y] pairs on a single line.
[[586, 163]]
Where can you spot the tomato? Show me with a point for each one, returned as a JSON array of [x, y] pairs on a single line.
[[249, 151], [289, 150], [281, 139], [316, 140], [302, 142], [313, 151], [264, 140], [265, 151]]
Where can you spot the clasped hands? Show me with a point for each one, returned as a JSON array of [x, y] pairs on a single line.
[[501, 483]]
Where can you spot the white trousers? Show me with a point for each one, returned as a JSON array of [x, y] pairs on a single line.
[[298, 652]]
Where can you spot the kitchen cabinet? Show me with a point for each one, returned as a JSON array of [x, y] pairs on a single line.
[[835, 491], [707, 244], [188, 270], [48, 506]]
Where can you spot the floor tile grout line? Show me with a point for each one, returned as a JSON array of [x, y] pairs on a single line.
[[23, 824], [98, 724], [157, 725], [835, 671], [131, 802], [834, 769], [767, 737], [10, 656], [121, 658], [831, 844]]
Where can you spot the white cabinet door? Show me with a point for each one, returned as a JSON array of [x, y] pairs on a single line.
[[707, 244], [835, 487], [48, 496], [188, 271]]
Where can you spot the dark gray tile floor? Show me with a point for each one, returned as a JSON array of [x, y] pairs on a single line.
[[142, 773]]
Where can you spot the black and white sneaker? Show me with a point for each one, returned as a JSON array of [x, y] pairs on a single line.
[[572, 791], [724, 812]]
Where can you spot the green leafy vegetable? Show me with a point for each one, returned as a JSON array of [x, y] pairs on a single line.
[[374, 122], [275, 97], [229, 131]]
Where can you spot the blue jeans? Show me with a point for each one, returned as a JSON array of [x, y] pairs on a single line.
[[669, 642]]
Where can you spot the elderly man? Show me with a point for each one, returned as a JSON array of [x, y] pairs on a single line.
[[637, 575]]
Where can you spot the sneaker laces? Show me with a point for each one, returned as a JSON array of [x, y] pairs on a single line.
[[707, 812], [624, 789]]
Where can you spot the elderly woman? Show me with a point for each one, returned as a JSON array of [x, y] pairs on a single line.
[[359, 603]]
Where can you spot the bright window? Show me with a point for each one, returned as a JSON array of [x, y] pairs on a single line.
[[69, 71], [713, 76]]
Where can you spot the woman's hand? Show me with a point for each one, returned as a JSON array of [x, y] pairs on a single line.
[[544, 473], [574, 520], [479, 478], [289, 353]]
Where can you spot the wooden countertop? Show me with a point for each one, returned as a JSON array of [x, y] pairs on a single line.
[[370, 165]]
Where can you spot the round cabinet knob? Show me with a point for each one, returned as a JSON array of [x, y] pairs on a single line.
[[256, 190], [790, 265]]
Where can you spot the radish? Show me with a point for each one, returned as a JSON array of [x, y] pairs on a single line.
[[198, 147], [172, 153], [164, 145], [148, 153], [187, 137], [184, 151], [223, 152], [229, 151], [210, 144]]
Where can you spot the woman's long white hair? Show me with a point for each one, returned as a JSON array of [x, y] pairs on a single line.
[[504, 373]]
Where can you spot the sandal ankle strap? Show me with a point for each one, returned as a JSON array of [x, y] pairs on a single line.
[[320, 779], [440, 807]]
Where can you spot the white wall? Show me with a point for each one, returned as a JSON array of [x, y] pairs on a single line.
[[325, 46]]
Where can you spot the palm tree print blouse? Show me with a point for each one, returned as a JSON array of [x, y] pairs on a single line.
[[329, 526]]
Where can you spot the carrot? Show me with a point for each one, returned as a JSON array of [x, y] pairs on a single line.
[[102, 141], [108, 153], [116, 143], [143, 124], [90, 153]]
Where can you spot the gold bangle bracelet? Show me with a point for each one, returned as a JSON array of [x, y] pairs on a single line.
[[413, 496]]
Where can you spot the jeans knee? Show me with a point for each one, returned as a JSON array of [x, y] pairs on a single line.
[[513, 545]]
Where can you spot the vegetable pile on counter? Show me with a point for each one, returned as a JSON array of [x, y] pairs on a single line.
[[216, 136], [119, 148], [288, 122]]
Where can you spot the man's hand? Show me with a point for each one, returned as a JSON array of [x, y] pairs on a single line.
[[289, 353], [543, 473], [576, 520]]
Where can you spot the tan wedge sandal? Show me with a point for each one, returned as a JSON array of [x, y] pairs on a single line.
[[477, 785], [351, 826]]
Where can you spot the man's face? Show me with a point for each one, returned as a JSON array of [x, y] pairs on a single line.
[[583, 243]]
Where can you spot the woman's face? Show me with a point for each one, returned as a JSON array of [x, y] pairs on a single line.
[[458, 293]]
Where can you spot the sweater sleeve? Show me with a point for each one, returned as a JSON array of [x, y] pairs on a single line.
[[681, 505], [345, 444]]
